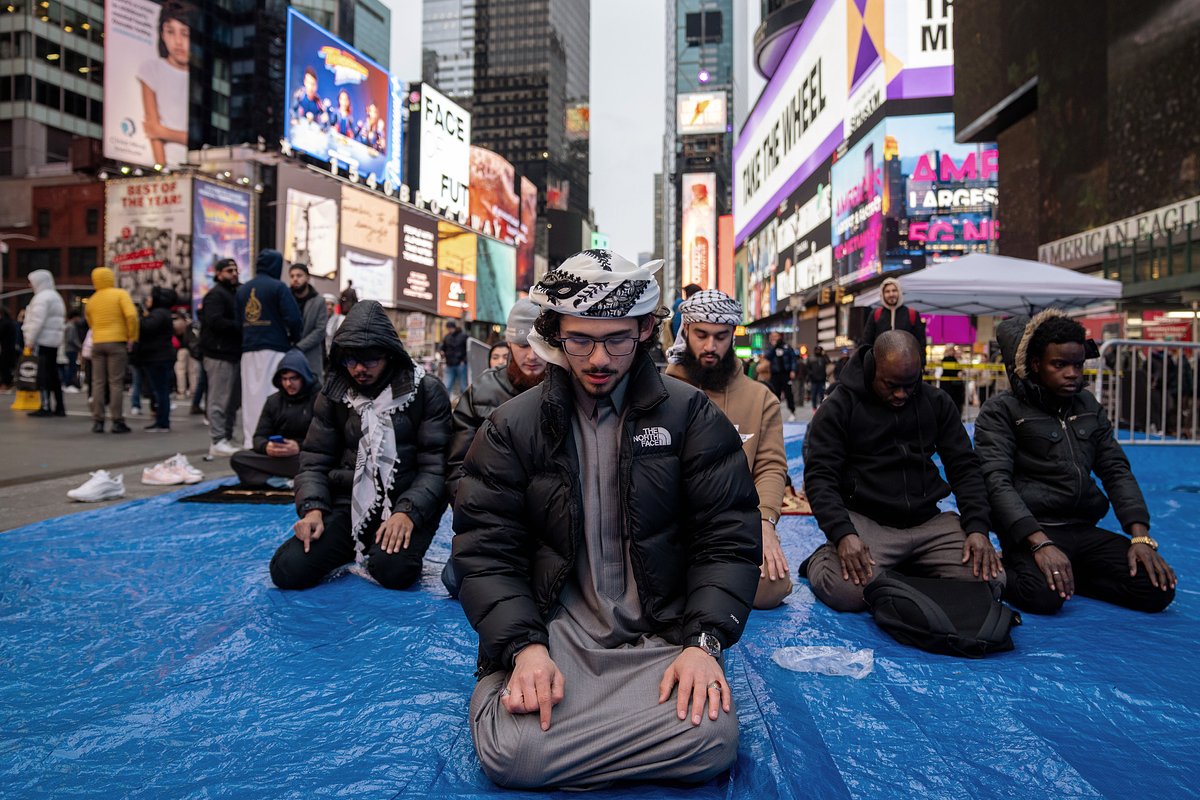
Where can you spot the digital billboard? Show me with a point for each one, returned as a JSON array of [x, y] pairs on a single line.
[[496, 280], [699, 215], [370, 222], [147, 49], [858, 209], [148, 234], [578, 122], [495, 206], [310, 231], [456, 255], [221, 227], [444, 144], [371, 275], [340, 103], [701, 112], [527, 236], [416, 273]]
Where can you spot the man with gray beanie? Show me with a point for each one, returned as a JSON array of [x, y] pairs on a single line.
[[607, 538]]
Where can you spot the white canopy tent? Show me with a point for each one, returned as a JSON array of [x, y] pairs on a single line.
[[980, 283]]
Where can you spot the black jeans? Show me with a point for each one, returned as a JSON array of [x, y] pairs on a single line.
[[255, 469], [781, 383], [159, 374], [48, 378], [1099, 564], [818, 393], [292, 568]]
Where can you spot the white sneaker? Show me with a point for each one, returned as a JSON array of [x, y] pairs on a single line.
[[186, 471], [101, 486], [222, 449], [161, 475], [134, 411], [70, 390]]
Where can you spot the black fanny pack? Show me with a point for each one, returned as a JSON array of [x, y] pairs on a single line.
[[951, 617]]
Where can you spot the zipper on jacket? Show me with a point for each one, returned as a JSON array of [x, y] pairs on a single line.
[[1074, 462]]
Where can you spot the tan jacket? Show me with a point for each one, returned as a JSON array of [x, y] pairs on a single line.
[[754, 411]]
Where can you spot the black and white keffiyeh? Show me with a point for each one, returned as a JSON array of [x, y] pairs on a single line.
[[709, 306], [598, 284]]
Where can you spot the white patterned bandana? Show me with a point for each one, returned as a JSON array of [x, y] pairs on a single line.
[[709, 306], [595, 284], [375, 464]]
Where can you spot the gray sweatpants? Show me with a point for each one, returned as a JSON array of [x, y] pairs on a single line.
[[933, 549], [608, 727], [221, 375]]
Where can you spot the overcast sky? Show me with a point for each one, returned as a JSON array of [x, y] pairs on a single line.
[[627, 96]]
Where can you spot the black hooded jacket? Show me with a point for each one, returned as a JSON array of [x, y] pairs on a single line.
[[862, 455], [329, 451], [1039, 452], [157, 328], [691, 514], [287, 415]]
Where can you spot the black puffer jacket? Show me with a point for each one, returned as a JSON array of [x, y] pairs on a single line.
[[1039, 453], [220, 329], [862, 455], [691, 514], [422, 429], [287, 415], [488, 392], [157, 328]]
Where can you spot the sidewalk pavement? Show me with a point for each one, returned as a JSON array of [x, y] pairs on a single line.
[[45, 458]]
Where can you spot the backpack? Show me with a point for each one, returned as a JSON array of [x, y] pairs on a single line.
[[912, 317], [951, 617]]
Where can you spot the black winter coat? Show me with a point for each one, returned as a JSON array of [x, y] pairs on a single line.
[[287, 415], [157, 328], [220, 329], [490, 390], [691, 516], [862, 455], [1039, 454]]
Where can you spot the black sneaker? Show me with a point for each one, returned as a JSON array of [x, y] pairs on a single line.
[[61, 412], [196, 411], [156, 429], [119, 427], [41, 412], [98, 427]]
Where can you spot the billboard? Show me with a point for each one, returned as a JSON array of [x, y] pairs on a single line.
[[221, 228], [371, 275], [416, 272], [445, 154], [496, 280], [148, 234], [699, 215], [147, 48], [527, 237], [456, 256], [495, 206], [341, 105], [310, 231], [858, 209], [578, 122], [702, 112], [370, 222]]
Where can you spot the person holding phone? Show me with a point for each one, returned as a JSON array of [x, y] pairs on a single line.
[[281, 427]]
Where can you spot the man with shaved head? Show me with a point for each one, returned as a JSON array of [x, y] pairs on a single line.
[[873, 485]]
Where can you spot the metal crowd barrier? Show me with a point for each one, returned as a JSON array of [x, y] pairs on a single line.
[[1149, 390]]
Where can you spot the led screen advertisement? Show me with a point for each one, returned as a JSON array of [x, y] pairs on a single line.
[[340, 104], [416, 273], [496, 280], [147, 48], [456, 257], [859, 206], [699, 216], [221, 227], [495, 206], [148, 234], [701, 112], [444, 148], [525, 238]]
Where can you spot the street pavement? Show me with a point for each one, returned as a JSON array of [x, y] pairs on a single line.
[[42, 459]]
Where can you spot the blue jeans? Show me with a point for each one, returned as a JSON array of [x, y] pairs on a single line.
[[135, 390], [159, 374], [456, 375]]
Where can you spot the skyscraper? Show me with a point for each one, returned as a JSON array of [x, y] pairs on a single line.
[[448, 47]]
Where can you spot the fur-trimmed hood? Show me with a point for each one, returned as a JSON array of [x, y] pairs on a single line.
[[1014, 335]]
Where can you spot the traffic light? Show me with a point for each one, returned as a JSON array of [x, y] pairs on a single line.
[[823, 296], [838, 291]]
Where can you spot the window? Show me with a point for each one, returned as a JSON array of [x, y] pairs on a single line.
[[81, 260], [43, 223], [38, 258], [47, 94], [92, 221], [704, 27]]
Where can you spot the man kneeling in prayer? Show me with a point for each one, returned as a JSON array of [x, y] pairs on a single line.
[[275, 458], [608, 543]]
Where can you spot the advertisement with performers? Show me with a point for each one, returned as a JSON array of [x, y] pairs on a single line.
[[147, 49], [340, 104], [148, 234], [221, 227], [495, 206]]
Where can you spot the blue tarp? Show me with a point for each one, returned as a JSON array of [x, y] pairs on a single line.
[[146, 654]]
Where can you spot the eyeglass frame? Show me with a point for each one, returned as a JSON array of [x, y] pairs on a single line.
[[370, 363], [593, 342]]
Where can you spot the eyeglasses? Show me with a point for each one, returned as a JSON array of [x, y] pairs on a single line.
[[369, 363], [584, 345]]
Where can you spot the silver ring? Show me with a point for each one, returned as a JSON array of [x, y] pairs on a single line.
[[1055, 572], [505, 692], [715, 685]]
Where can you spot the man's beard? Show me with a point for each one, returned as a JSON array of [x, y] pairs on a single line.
[[714, 378], [519, 379]]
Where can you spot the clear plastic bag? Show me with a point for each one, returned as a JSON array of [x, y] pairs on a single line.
[[856, 664]]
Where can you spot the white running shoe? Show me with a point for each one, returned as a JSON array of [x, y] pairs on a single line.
[[161, 475], [135, 411], [101, 486], [222, 449], [186, 471], [70, 390]]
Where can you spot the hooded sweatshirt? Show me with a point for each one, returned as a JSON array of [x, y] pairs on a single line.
[[154, 341], [1039, 452], [269, 315], [284, 414], [862, 455], [45, 314], [110, 312], [894, 317]]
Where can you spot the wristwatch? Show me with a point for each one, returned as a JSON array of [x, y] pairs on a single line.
[[1144, 540], [706, 642]]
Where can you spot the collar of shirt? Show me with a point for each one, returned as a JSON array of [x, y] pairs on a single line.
[[586, 404]]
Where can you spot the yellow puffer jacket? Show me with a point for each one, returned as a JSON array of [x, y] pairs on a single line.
[[110, 312]]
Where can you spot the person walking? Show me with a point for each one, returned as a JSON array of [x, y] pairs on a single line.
[[783, 370], [73, 333], [818, 363], [314, 318], [333, 322], [270, 322], [113, 321], [221, 349], [43, 332], [156, 354], [454, 349]]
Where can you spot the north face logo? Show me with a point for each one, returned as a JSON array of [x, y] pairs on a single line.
[[653, 437]]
